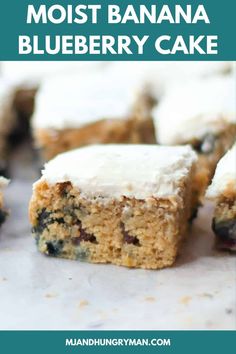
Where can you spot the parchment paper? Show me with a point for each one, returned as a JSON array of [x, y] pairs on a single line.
[[38, 292]]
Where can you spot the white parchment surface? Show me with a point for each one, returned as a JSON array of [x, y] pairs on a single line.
[[38, 292]]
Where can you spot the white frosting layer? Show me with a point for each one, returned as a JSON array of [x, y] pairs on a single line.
[[163, 75], [194, 108], [139, 171], [80, 97], [225, 175], [28, 73], [158, 76], [72, 101], [34, 72]]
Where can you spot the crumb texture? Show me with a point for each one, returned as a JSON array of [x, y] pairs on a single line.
[[128, 232], [52, 142]]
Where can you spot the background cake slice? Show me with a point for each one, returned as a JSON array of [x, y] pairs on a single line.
[[3, 213], [123, 204], [9, 121], [201, 113], [76, 110], [223, 191], [19, 83]]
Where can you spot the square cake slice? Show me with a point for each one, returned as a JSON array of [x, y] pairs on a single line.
[[202, 113], [223, 191], [122, 204], [74, 110], [8, 118], [16, 106], [3, 213]]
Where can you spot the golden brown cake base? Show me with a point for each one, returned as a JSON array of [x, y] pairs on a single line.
[[128, 232], [15, 117], [134, 130]]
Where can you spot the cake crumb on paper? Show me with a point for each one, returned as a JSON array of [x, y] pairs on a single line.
[[150, 299], [83, 303], [50, 295], [208, 295], [185, 300]]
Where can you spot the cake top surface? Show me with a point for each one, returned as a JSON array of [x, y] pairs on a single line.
[[26, 73], [224, 179], [195, 108], [77, 95], [138, 171], [75, 100], [163, 75]]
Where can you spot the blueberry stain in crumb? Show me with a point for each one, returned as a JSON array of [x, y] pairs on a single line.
[[206, 145], [129, 239], [83, 235], [42, 221], [226, 233], [45, 219], [54, 248], [225, 229]]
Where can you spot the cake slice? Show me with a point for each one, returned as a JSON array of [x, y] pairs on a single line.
[[8, 120], [223, 191], [3, 213], [27, 77], [159, 76], [16, 107], [32, 73], [201, 113], [19, 83], [77, 110], [122, 204]]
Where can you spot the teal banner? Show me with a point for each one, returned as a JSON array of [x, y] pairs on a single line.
[[117, 30], [60, 342]]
